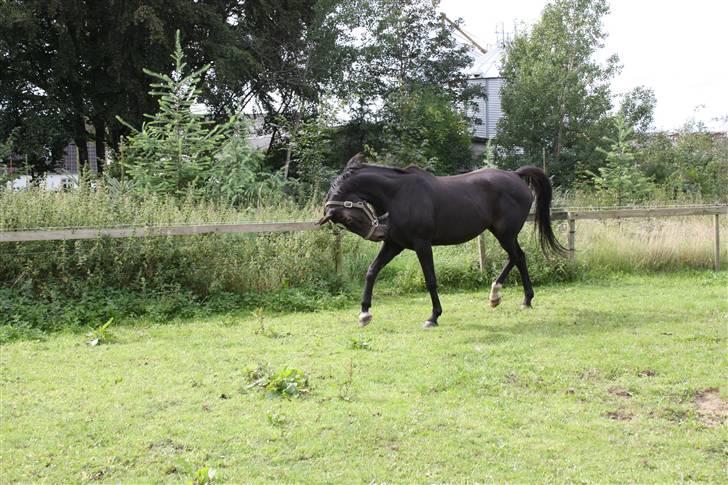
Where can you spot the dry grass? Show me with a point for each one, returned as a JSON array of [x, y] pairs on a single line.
[[666, 243]]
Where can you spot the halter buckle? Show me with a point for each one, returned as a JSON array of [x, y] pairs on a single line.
[[349, 204]]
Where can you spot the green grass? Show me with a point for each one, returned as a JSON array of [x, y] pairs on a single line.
[[597, 384]]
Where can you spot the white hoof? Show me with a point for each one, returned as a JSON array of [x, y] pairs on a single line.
[[429, 324], [364, 319], [495, 294]]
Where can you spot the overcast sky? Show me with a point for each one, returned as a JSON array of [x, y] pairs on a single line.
[[679, 49]]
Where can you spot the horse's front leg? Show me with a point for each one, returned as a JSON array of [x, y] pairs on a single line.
[[386, 254], [424, 254]]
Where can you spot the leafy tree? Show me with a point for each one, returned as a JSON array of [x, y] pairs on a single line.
[[621, 180], [390, 47], [80, 63], [422, 126], [691, 164], [311, 145], [391, 43], [556, 96], [638, 108]]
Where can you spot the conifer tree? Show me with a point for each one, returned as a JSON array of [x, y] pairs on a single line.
[[174, 152]]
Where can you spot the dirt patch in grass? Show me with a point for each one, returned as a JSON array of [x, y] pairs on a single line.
[[167, 447], [711, 408], [619, 415], [619, 391]]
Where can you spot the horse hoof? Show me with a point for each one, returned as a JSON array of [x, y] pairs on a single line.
[[364, 319], [429, 324], [525, 306], [495, 303]]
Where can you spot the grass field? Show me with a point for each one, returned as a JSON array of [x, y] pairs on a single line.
[[617, 380]]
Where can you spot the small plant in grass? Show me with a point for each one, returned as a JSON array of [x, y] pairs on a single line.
[[276, 420], [259, 375], [261, 329], [345, 387], [284, 383], [101, 334], [203, 476], [360, 343], [288, 383]]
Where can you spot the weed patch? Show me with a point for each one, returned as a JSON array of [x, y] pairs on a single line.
[[289, 383]]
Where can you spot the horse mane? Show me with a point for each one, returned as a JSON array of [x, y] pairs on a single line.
[[352, 168]]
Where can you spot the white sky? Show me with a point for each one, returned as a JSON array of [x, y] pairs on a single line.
[[679, 49]]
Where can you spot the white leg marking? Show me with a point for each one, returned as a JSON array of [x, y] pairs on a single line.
[[495, 294], [364, 319]]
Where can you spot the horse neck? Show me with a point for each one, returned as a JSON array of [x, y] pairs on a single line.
[[376, 185]]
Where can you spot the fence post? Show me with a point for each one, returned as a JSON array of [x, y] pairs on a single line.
[[716, 255], [571, 239], [481, 252], [337, 252]]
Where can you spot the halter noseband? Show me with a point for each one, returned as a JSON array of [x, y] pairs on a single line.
[[358, 205]]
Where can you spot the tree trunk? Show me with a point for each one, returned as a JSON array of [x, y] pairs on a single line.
[[81, 138], [100, 132]]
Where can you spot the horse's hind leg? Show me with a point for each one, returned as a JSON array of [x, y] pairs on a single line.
[[517, 258]]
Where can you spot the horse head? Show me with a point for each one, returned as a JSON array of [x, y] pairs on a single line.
[[345, 206]]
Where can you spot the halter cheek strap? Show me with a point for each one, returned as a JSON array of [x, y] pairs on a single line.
[[358, 205]]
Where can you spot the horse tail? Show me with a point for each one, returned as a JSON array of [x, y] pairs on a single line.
[[541, 185]]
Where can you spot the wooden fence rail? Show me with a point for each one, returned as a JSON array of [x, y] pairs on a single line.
[[181, 230]]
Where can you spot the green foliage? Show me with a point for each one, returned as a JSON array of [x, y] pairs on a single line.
[[555, 94], [692, 166], [59, 74], [638, 108], [422, 127], [101, 334], [286, 382], [310, 143], [182, 154], [360, 343], [237, 176], [395, 43], [621, 181], [174, 152], [203, 476]]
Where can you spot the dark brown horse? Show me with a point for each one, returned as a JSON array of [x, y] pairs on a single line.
[[413, 209]]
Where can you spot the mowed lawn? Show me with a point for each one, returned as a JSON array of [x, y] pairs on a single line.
[[622, 380]]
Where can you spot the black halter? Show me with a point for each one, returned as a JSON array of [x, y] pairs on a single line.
[[359, 205]]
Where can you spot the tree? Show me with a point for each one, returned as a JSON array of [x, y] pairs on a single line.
[[180, 153], [638, 108], [422, 126], [394, 46], [621, 180], [555, 94], [80, 63], [692, 164]]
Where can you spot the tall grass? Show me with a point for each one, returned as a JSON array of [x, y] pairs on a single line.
[[55, 284], [648, 244]]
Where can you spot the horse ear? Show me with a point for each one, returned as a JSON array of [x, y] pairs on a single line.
[[357, 160]]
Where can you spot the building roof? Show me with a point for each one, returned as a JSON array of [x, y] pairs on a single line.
[[486, 65]]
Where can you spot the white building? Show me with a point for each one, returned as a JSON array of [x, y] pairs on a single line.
[[485, 72]]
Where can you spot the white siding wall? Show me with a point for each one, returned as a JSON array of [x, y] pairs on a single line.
[[489, 108]]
